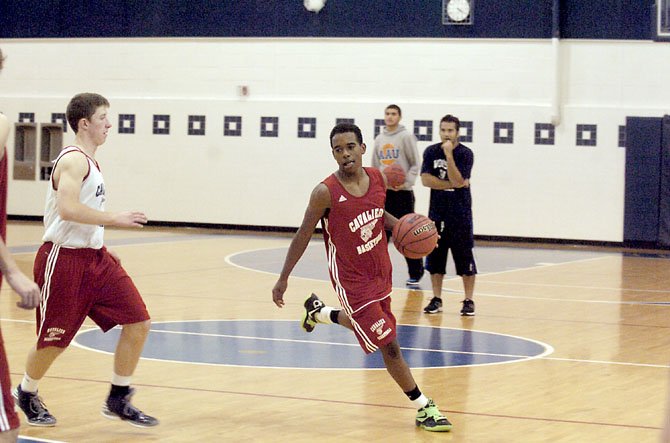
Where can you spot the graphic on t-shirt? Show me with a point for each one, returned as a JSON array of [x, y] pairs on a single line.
[[388, 154]]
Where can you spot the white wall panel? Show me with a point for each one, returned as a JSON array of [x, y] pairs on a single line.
[[519, 189]]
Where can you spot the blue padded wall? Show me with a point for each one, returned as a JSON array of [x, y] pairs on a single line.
[[664, 205], [643, 179]]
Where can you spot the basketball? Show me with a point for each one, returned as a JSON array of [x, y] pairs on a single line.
[[395, 175], [415, 235]]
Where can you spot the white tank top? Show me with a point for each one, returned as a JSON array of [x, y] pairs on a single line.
[[92, 194]]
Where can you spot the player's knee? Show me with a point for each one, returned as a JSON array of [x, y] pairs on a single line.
[[391, 350], [138, 330]]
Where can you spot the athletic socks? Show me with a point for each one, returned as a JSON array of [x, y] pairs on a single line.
[[327, 315], [120, 380], [417, 397], [29, 384]]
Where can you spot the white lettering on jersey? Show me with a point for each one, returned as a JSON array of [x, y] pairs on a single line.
[[365, 217], [362, 249]]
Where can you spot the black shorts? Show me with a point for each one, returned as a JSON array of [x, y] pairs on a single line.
[[460, 242]]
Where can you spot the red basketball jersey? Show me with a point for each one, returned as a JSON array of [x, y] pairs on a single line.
[[356, 248], [3, 194]]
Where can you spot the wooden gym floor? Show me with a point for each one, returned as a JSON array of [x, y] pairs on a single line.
[[604, 319]]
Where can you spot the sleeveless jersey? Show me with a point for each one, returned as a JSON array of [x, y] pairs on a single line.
[[92, 194], [356, 247]]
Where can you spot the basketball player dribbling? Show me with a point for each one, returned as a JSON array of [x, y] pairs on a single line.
[[350, 205]]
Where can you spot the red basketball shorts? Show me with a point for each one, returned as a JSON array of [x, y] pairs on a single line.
[[77, 283], [374, 325]]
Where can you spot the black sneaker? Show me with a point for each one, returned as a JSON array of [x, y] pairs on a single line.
[[434, 306], [468, 307], [120, 408], [312, 306], [31, 405]]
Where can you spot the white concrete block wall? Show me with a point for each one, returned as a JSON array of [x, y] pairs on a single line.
[[521, 189]]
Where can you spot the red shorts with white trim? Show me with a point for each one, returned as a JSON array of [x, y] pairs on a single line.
[[374, 325], [8, 418], [77, 283]]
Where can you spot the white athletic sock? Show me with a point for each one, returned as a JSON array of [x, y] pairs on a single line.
[[323, 316], [120, 380], [421, 401], [29, 384]]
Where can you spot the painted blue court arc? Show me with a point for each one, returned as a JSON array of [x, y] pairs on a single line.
[[313, 263], [283, 344], [27, 439]]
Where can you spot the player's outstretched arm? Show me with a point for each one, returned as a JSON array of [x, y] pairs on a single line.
[[319, 202], [68, 175]]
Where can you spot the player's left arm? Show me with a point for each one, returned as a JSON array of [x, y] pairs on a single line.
[[389, 220], [459, 170]]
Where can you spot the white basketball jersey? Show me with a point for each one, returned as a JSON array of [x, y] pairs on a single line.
[[92, 194]]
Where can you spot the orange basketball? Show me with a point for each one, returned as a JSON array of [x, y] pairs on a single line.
[[395, 175], [415, 235]]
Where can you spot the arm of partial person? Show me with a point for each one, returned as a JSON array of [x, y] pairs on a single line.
[[319, 202], [25, 287], [432, 182], [4, 133], [71, 170]]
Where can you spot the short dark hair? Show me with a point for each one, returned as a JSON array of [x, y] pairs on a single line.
[[83, 105], [396, 107], [341, 128], [451, 119], [2, 59]]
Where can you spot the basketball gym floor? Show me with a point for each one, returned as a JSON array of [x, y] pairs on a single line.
[[569, 344]]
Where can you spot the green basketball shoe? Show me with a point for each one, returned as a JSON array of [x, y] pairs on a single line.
[[431, 419]]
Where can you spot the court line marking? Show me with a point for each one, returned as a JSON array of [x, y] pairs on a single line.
[[521, 358], [190, 389], [451, 411], [575, 300], [28, 439], [516, 360], [352, 403], [228, 259], [548, 285], [128, 241]]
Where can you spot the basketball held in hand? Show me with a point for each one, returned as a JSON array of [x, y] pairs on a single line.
[[415, 235], [395, 175]]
